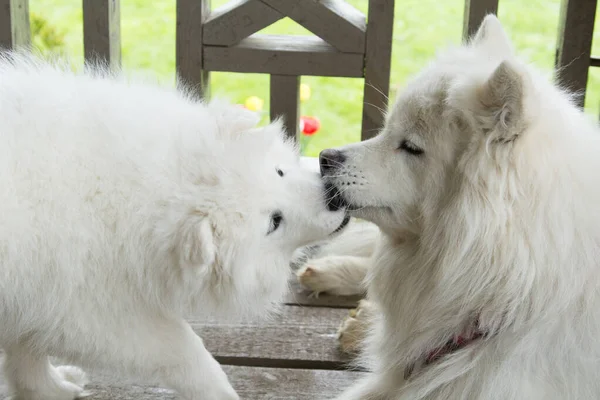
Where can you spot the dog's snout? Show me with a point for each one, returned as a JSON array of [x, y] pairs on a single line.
[[330, 160]]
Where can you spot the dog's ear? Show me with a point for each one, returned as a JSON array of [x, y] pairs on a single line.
[[197, 247], [492, 37], [231, 118], [501, 101], [275, 129], [270, 136]]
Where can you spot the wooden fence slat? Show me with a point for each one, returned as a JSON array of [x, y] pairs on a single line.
[[102, 32], [285, 101], [378, 55], [335, 21], [188, 46], [575, 32], [238, 20], [298, 337], [284, 55], [474, 12], [14, 24]]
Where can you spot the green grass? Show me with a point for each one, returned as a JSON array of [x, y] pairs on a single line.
[[420, 27]]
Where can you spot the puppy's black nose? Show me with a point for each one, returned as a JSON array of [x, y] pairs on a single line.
[[330, 160]]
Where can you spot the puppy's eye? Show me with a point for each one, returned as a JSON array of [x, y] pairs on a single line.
[[276, 220], [279, 171], [411, 148]]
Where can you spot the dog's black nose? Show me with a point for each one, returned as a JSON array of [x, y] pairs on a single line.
[[330, 160]]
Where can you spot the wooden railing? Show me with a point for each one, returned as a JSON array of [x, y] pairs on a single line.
[[347, 44]]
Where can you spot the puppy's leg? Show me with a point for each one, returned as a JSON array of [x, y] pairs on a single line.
[[338, 275], [354, 328], [32, 377], [170, 352], [340, 265], [359, 240]]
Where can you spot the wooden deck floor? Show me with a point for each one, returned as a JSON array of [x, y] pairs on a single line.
[[293, 356]]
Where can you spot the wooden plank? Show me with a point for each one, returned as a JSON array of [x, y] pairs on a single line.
[[283, 55], [191, 73], [378, 59], [102, 32], [237, 20], [335, 21], [250, 383], [300, 296], [14, 24], [297, 337], [287, 384], [285, 102], [576, 28], [474, 12]]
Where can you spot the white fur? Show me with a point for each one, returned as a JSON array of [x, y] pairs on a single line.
[[498, 219], [339, 266], [125, 206]]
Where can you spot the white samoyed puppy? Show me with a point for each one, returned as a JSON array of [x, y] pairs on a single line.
[[125, 206], [485, 281]]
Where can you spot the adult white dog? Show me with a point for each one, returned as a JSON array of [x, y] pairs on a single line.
[[123, 207], [485, 184]]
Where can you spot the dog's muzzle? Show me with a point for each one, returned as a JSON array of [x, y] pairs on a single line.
[[330, 160], [333, 198]]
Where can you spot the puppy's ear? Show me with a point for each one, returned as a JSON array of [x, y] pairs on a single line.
[[231, 118], [501, 103], [491, 37], [276, 129], [197, 247], [270, 136]]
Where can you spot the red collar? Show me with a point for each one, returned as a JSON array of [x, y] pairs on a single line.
[[456, 343]]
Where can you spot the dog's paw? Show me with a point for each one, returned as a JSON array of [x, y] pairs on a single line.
[[66, 383], [75, 376], [72, 374], [70, 384], [334, 275], [312, 279], [354, 328]]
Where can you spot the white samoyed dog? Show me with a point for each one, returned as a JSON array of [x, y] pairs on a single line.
[[485, 281], [125, 206]]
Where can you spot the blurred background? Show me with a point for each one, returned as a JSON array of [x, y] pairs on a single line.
[[420, 27]]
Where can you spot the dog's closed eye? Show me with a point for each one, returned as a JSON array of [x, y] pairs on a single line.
[[410, 148]]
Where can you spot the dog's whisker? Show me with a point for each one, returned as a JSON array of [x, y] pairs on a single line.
[[385, 96], [381, 110]]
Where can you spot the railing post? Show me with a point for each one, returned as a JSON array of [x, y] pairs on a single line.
[[285, 100], [378, 55], [575, 32], [14, 24], [102, 32], [475, 11], [189, 48]]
